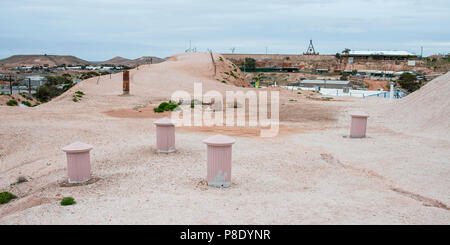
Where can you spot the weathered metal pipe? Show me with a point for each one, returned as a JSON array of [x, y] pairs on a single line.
[[126, 82]]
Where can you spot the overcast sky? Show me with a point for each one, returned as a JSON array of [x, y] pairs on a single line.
[[101, 29]]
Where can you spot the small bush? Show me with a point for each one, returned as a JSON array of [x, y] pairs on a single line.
[[157, 109], [166, 106], [5, 197], [67, 201], [77, 96], [12, 103], [27, 103], [223, 81], [21, 179], [299, 92]]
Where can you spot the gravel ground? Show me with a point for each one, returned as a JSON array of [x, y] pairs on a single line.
[[313, 175]]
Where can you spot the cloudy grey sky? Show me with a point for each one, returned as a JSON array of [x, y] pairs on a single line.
[[101, 29]]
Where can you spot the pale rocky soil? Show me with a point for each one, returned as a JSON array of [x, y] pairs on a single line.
[[312, 173]]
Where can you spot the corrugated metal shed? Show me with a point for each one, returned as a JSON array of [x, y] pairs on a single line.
[[329, 82], [379, 53]]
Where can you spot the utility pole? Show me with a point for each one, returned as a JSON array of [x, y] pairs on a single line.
[[29, 86], [10, 84]]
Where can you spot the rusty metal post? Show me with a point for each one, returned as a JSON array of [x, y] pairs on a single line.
[[126, 82], [10, 84]]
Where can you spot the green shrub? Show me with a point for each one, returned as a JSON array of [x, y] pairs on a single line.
[[67, 201], [223, 81], [409, 82], [166, 106], [5, 197], [163, 105], [157, 109], [27, 103], [77, 96], [12, 103], [233, 75], [88, 75]]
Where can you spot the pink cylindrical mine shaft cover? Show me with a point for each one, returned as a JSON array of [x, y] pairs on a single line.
[[219, 152], [165, 135], [78, 162], [358, 125]]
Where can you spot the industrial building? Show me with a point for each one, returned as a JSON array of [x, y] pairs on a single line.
[[324, 84], [355, 56]]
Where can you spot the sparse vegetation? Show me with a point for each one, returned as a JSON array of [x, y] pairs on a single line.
[[77, 96], [27, 103], [88, 75], [5, 197], [67, 201], [55, 86], [166, 106], [249, 63], [12, 103], [409, 82]]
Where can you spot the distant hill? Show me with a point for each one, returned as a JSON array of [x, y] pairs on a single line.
[[50, 60], [115, 61], [139, 61], [57, 60]]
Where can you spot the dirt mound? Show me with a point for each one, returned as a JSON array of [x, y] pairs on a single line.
[[427, 109], [19, 98], [227, 72]]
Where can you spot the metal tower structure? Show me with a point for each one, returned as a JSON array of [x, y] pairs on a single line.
[[311, 50]]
